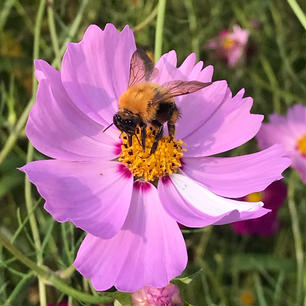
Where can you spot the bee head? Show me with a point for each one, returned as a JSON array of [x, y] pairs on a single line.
[[125, 123]]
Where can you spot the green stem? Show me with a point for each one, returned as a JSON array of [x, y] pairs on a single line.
[[159, 29], [297, 238], [193, 26], [298, 12], [273, 82], [141, 25], [28, 193], [53, 34], [16, 131], [46, 275]]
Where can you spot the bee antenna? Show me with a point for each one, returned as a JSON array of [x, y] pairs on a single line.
[[108, 127]]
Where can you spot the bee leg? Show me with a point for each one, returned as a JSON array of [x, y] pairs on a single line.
[[143, 136], [171, 122], [171, 130], [130, 140], [158, 135]]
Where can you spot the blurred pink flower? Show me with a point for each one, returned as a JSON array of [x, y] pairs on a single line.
[[133, 237], [290, 131], [149, 296], [229, 46], [273, 197]]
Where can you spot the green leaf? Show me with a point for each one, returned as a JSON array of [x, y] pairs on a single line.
[[122, 298]]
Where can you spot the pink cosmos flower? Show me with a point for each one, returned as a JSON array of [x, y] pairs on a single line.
[[229, 46], [93, 179], [273, 197], [290, 131], [149, 296]]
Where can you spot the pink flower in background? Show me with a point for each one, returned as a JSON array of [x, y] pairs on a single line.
[[273, 197], [149, 296], [133, 235], [290, 131], [229, 46]]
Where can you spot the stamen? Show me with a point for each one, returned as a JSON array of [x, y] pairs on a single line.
[[150, 167], [301, 145], [254, 197], [228, 43]]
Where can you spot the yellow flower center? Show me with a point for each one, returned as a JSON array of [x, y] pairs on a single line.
[[301, 145], [254, 197], [228, 43], [150, 167]]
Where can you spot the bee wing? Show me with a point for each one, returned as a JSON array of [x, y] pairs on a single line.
[[179, 88], [141, 68]]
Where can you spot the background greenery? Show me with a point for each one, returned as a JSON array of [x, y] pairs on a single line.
[[224, 268]]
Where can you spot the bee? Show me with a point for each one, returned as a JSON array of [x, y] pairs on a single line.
[[145, 102]]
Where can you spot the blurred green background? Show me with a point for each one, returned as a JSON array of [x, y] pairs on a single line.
[[229, 269]]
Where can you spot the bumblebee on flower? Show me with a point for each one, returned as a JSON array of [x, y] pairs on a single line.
[[133, 235]]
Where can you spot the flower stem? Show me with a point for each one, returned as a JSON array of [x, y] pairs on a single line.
[[297, 238], [193, 26], [28, 193], [159, 29], [298, 12], [141, 25], [16, 131], [48, 276], [53, 34]]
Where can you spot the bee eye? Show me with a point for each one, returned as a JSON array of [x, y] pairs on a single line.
[[129, 122]]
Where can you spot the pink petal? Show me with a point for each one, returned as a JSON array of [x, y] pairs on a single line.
[[239, 35], [230, 126], [273, 197], [204, 102], [194, 206], [95, 71], [234, 55], [58, 129], [235, 177], [276, 132], [297, 120], [299, 164], [188, 71], [93, 196], [149, 251]]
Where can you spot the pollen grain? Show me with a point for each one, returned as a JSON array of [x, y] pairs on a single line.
[[150, 167]]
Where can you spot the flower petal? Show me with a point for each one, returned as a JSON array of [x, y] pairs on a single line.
[[95, 71], [299, 164], [273, 197], [188, 71], [58, 129], [204, 102], [93, 196], [194, 206], [297, 120], [148, 251], [284, 129], [235, 177], [276, 132], [231, 125]]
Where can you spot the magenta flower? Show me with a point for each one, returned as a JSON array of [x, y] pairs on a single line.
[[290, 131], [149, 296], [273, 198], [229, 46], [96, 181]]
